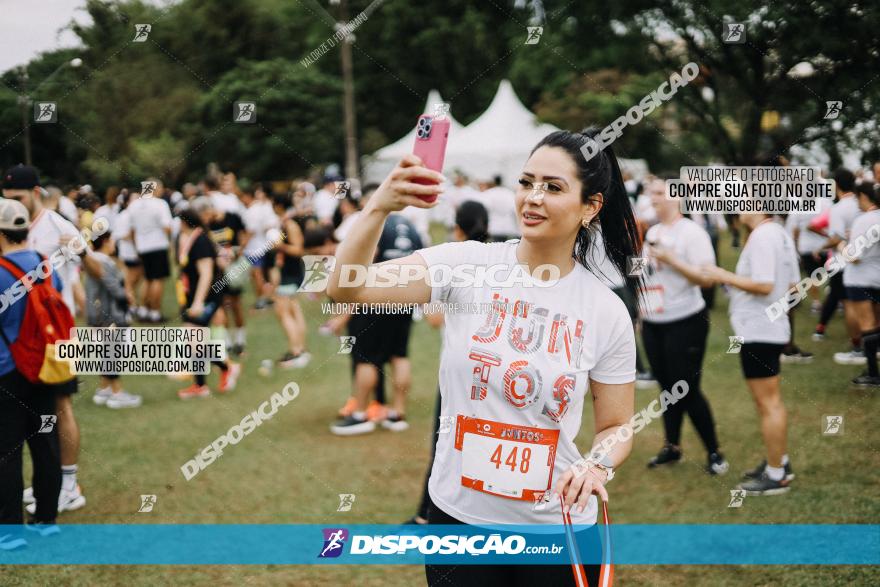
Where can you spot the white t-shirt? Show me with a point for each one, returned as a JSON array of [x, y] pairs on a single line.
[[347, 223], [44, 237], [669, 295], [500, 203], [865, 273], [768, 257], [644, 209], [532, 368], [421, 219], [841, 217], [258, 220], [68, 209], [324, 204], [227, 203], [807, 241], [149, 219], [120, 231]]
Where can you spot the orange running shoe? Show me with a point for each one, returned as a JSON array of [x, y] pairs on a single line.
[[194, 391], [376, 411], [229, 377], [349, 407]]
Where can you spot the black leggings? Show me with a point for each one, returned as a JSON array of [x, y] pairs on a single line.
[[426, 504], [675, 351], [836, 294], [513, 575], [21, 405]]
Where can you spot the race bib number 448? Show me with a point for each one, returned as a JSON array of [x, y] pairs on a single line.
[[510, 461]]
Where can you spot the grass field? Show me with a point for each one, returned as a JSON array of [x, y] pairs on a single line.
[[291, 469]]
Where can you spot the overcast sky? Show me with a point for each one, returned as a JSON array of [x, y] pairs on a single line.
[[29, 27]]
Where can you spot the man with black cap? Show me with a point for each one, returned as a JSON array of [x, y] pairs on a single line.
[[48, 232], [26, 414]]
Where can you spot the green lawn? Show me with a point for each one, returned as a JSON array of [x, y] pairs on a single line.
[[291, 469]]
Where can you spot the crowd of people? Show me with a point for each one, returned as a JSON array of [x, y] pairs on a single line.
[[221, 236]]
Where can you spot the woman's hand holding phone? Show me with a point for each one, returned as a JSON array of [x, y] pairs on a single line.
[[408, 184]]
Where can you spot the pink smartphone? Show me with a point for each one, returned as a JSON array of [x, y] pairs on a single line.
[[430, 147]]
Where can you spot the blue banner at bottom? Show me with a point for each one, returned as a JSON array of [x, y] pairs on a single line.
[[357, 544]]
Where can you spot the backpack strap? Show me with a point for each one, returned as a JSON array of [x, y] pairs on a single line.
[[10, 266]]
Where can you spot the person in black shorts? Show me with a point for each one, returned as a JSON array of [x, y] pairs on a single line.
[[385, 339], [767, 268], [228, 233], [290, 275], [197, 256]]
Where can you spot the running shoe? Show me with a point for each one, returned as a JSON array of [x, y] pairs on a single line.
[[818, 336], [123, 399], [27, 496], [11, 542], [194, 391], [645, 381], [759, 470], [229, 378], [68, 501], [291, 361], [349, 408], [717, 464], [667, 455], [376, 412], [395, 422], [764, 485], [796, 356], [261, 304], [102, 395], [852, 357], [351, 426], [865, 380]]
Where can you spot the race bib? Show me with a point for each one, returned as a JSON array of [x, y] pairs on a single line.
[[509, 461], [654, 300]]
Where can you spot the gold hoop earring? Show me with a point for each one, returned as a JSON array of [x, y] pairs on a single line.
[[585, 223]]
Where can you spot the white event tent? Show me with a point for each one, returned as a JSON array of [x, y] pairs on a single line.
[[498, 142]]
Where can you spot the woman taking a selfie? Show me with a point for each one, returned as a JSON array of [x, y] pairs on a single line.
[[513, 380]]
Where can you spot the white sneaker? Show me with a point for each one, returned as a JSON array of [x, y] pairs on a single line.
[[853, 357], [67, 501], [71, 500], [101, 395], [301, 361], [27, 496], [123, 399]]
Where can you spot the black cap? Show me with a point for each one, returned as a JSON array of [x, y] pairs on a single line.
[[21, 177]]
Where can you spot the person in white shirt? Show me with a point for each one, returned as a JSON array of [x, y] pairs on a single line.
[[262, 226], [514, 382], [840, 220], [222, 194], [151, 228], [501, 205], [324, 201], [861, 277], [675, 323], [133, 269], [807, 243], [766, 270]]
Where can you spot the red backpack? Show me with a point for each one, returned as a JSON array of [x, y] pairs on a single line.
[[47, 320]]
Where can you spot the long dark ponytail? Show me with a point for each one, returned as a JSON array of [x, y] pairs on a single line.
[[619, 231]]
